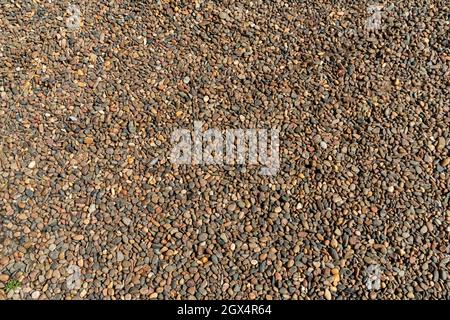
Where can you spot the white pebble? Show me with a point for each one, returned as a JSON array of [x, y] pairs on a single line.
[[35, 295]]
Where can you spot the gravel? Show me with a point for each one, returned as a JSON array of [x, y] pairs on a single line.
[[92, 208]]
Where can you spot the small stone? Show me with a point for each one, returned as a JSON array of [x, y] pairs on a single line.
[[144, 291], [334, 243], [424, 229], [327, 294], [35, 295], [278, 276], [89, 140], [155, 198], [4, 277], [127, 221], [223, 15], [338, 200], [334, 253], [131, 127], [190, 283], [153, 295], [441, 143], [445, 162], [29, 193], [32, 164]]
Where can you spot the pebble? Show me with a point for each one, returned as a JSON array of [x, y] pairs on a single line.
[[153, 295], [120, 257], [203, 237], [446, 162], [127, 221], [29, 193], [4, 278], [224, 15], [92, 208], [441, 143], [88, 140], [424, 229]]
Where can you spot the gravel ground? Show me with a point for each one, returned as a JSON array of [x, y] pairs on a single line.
[[91, 206]]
